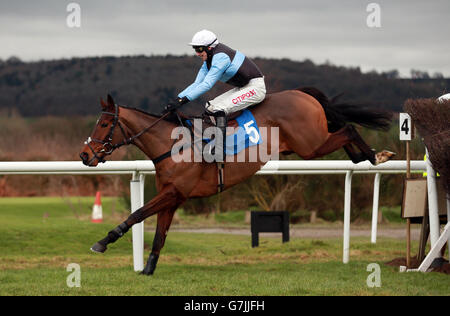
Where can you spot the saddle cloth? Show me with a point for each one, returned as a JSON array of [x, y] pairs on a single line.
[[245, 133]]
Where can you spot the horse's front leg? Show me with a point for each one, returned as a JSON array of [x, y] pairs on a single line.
[[162, 228], [169, 198]]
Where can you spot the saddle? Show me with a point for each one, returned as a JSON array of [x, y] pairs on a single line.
[[192, 111], [210, 121]]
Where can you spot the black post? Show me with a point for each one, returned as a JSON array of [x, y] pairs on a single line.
[[269, 222], [285, 226], [255, 239]]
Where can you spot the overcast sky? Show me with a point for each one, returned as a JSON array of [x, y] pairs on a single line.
[[413, 34]]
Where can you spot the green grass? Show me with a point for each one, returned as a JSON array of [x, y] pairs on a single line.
[[392, 214], [39, 237]]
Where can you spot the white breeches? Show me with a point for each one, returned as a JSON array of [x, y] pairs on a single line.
[[237, 99]]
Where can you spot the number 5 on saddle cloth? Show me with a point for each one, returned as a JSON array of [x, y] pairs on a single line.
[[246, 135]]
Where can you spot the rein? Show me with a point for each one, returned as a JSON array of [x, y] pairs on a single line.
[[108, 147]]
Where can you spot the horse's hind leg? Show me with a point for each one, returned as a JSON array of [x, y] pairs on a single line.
[[356, 157], [162, 228], [345, 138], [366, 152], [335, 141]]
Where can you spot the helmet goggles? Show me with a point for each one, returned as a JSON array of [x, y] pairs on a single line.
[[202, 48], [199, 49]]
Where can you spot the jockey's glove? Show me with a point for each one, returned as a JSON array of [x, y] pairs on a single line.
[[175, 104]]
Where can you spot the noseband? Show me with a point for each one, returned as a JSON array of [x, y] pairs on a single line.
[[107, 146]]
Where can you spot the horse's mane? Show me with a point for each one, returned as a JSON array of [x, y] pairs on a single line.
[[191, 110], [169, 118], [140, 110]]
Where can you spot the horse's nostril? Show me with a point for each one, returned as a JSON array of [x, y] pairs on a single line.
[[84, 157]]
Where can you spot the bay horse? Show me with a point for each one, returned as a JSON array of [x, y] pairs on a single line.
[[309, 124]]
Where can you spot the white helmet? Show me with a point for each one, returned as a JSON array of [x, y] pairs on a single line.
[[204, 38]]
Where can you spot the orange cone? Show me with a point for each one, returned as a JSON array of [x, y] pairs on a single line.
[[97, 214]]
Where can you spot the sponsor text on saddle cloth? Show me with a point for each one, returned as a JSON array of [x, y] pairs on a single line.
[[246, 134]]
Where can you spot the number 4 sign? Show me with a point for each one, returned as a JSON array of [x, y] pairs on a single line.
[[406, 128]]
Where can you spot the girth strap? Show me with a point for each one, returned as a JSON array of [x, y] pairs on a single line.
[[220, 174]]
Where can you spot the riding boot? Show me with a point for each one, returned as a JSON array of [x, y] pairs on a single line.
[[221, 124]]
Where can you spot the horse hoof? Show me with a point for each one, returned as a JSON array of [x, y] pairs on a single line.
[[146, 272], [384, 156], [98, 248]]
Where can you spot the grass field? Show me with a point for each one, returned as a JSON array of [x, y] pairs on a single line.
[[40, 237]]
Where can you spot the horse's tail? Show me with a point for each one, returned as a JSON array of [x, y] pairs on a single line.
[[338, 114]]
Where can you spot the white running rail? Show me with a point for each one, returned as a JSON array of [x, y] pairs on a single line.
[[139, 168]]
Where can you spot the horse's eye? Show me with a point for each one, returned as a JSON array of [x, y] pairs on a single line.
[[104, 125]]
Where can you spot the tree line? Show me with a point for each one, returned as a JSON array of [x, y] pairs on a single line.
[[73, 86]]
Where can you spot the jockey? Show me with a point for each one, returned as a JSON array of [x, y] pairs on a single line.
[[220, 62]]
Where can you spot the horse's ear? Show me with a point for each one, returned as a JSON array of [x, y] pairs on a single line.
[[111, 101], [104, 105]]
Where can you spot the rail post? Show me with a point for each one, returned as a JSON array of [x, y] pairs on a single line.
[[137, 229], [347, 211], [448, 221], [142, 187], [432, 202], [376, 197]]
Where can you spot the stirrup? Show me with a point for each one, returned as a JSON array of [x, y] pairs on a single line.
[[215, 114], [221, 124]]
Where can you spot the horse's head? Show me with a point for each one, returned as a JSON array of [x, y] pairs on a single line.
[[105, 138]]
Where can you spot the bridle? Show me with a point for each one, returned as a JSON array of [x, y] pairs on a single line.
[[107, 146]]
